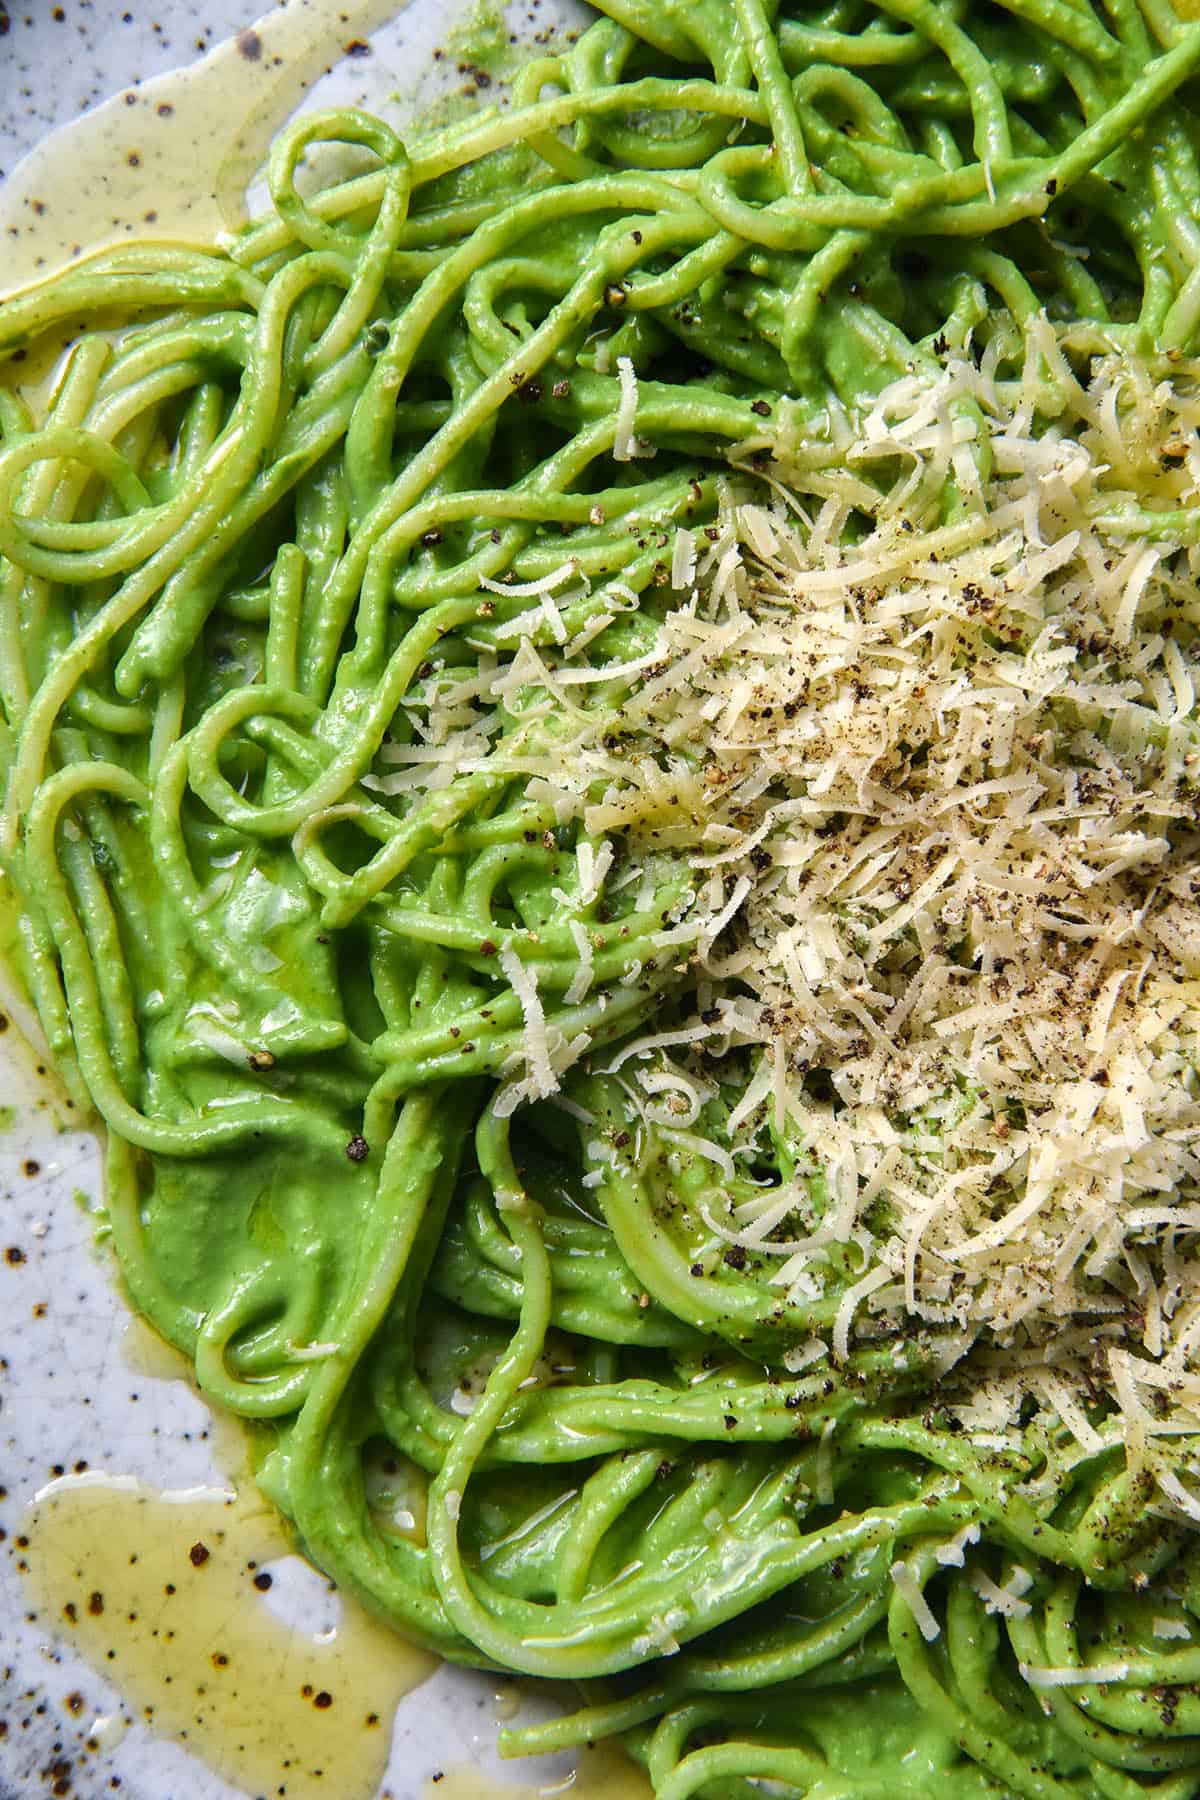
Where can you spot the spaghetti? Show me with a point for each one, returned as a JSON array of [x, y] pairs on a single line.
[[353, 986]]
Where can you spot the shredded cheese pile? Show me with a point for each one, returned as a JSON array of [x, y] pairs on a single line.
[[938, 767]]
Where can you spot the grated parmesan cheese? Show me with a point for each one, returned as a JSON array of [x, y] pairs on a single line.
[[1006, 1601], [908, 1586], [935, 779], [927, 776], [952, 1554], [1170, 1628], [802, 1356], [1179, 1496], [683, 559], [547, 584], [623, 441], [848, 1305], [1098, 1673], [581, 981], [541, 1079]]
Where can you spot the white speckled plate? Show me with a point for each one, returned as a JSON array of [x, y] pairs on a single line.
[[71, 1395]]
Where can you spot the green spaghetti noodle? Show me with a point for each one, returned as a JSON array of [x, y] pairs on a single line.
[[369, 1157]]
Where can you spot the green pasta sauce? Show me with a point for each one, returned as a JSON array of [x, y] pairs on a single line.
[[369, 1162]]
